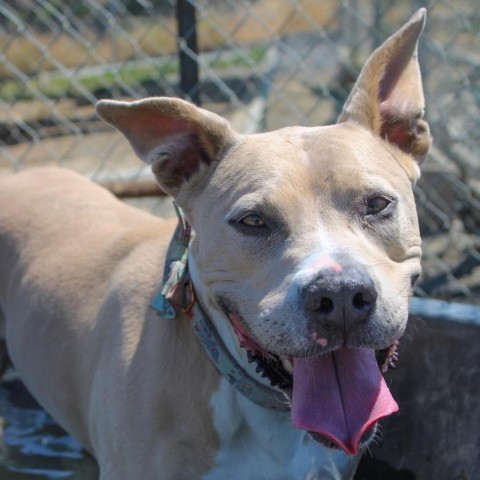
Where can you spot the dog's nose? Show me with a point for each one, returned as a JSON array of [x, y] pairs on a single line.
[[340, 300]]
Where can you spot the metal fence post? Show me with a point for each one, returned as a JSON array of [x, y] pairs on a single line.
[[188, 50]]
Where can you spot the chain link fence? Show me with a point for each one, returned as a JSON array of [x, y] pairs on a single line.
[[263, 64]]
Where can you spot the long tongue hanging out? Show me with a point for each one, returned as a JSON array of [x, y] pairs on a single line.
[[340, 396]]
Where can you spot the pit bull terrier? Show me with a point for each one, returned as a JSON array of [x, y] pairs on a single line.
[[285, 289]]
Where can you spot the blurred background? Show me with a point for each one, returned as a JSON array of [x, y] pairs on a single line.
[[263, 64]]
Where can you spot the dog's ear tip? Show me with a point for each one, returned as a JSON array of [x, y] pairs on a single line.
[[103, 103], [420, 15], [412, 29], [105, 107], [115, 112], [417, 21], [100, 106]]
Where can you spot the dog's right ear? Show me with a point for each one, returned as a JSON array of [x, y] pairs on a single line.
[[387, 97], [177, 138]]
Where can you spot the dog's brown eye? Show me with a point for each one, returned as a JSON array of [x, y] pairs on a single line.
[[377, 204], [252, 220]]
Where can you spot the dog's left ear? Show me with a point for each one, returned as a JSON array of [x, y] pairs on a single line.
[[177, 138], [387, 97]]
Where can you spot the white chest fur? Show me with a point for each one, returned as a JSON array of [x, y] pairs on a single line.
[[260, 444]]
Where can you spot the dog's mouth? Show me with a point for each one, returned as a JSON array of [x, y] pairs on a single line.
[[337, 397]]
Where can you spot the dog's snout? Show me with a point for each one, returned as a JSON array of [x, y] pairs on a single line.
[[340, 299]]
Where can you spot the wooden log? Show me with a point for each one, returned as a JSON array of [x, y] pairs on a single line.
[[134, 189]]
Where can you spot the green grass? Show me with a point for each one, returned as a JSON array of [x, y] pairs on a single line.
[[252, 56], [59, 86]]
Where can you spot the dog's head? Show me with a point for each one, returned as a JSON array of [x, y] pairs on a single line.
[[306, 239]]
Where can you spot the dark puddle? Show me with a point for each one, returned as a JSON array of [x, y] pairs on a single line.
[[32, 445]]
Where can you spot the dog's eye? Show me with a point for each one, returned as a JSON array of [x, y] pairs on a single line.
[[377, 204], [252, 220]]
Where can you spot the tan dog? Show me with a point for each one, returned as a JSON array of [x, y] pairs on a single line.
[[305, 242]]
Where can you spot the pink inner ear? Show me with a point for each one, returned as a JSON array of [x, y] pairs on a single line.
[[405, 99], [401, 94], [147, 130], [172, 135], [149, 125], [398, 66]]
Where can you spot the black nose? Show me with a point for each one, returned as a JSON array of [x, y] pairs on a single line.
[[340, 300]]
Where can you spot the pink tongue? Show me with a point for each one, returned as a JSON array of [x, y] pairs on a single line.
[[340, 395]]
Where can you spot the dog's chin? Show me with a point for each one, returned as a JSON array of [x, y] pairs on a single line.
[[367, 439]]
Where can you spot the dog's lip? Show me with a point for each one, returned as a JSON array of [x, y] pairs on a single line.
[[248, 341], [386, 357]]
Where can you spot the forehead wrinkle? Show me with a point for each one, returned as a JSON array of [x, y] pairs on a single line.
[[351, 165], [302, 188], [265, 164], [257, 163]]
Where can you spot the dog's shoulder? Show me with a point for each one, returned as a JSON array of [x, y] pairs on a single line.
[[50, 198], [53, 214]]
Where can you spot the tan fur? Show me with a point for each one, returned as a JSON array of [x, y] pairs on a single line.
[[78, 268], [77, 292], [391, 83]]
